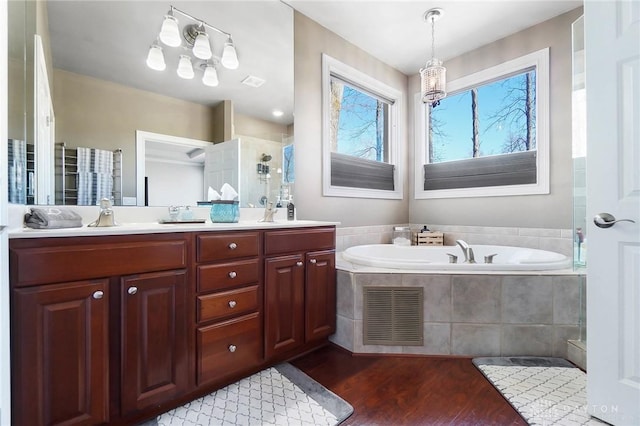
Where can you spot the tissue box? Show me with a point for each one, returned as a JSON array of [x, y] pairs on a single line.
[[225, 211]]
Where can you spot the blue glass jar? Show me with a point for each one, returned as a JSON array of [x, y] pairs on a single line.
[[223, 211]]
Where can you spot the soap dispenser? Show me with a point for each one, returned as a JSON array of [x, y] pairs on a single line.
[[291, 209]]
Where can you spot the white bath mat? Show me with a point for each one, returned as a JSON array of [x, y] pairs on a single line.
[[269, 397], [544, 395]]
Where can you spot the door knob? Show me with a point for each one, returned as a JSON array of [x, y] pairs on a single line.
[[607, 220]]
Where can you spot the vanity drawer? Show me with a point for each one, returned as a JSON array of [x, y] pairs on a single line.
[[227, 303], [301, 239], [218, 246], [43, 261], [227, 275], [229, 347]]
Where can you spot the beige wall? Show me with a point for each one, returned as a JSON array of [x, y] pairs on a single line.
[[310, 41], [246, 125], [541, 211], [99, 114]]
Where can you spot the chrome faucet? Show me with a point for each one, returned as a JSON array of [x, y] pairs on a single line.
[[467, 251], [106, 217]]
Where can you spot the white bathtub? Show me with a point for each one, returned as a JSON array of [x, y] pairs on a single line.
[[436, 258]]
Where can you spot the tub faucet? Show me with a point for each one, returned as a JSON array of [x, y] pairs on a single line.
[[467, 251]]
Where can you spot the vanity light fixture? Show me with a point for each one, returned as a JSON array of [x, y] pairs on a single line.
[[197, 42], [433, 77]]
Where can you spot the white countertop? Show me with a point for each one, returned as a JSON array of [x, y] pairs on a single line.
[[156, 228], [144, 220]]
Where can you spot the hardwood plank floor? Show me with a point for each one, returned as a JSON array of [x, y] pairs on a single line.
[[403, 390]]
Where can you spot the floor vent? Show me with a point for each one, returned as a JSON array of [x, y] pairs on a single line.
[[393, 316]]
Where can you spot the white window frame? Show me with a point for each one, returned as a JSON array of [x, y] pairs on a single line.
[[539, 60], [331, 66]]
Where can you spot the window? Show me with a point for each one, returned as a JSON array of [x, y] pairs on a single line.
[[360, 128], [489, 136]]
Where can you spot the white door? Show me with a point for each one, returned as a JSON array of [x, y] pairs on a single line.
[[222, 165], [612, 50], [44, 129]]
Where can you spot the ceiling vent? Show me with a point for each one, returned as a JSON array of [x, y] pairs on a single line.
[[393, 316], [253, 81]]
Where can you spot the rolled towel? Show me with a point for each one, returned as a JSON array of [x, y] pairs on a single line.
[[52, 218]]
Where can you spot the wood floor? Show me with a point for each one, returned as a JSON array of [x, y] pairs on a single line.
[[396, 390]]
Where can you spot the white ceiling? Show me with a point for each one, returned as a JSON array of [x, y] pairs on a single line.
[[110, 39]]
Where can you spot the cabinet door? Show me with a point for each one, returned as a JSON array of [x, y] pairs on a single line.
[[154, 346], [320, 295], [60, 356], [284, 310]]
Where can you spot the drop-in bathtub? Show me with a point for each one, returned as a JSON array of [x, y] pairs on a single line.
[[436, 258]]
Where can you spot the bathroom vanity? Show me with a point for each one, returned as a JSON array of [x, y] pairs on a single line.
[[119, 328]]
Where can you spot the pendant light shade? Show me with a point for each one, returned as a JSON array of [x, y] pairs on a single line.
[[433, 77], [155, 58], [202, 47], [229, 55], [170, 33], [185, 68], [210, 77]]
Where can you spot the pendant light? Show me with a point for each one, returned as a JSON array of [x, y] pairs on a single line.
[[433, 77]]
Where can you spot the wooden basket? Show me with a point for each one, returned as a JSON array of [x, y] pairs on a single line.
[[429, 238]]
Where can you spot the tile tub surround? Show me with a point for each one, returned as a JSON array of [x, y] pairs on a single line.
[[558, 240], [472, 315]]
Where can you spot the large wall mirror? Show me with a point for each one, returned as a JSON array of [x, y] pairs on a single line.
[[86, 65]]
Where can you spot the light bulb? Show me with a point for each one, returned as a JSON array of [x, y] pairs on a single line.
[[185, 69], [229, 56], [155, 58], [170, 33], [210, 77], [201, 47]]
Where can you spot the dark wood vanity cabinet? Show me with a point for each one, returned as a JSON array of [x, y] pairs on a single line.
[[97, 317], [228, 305], [153, 326], [300, 287], [117, 329], [60, 353]]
